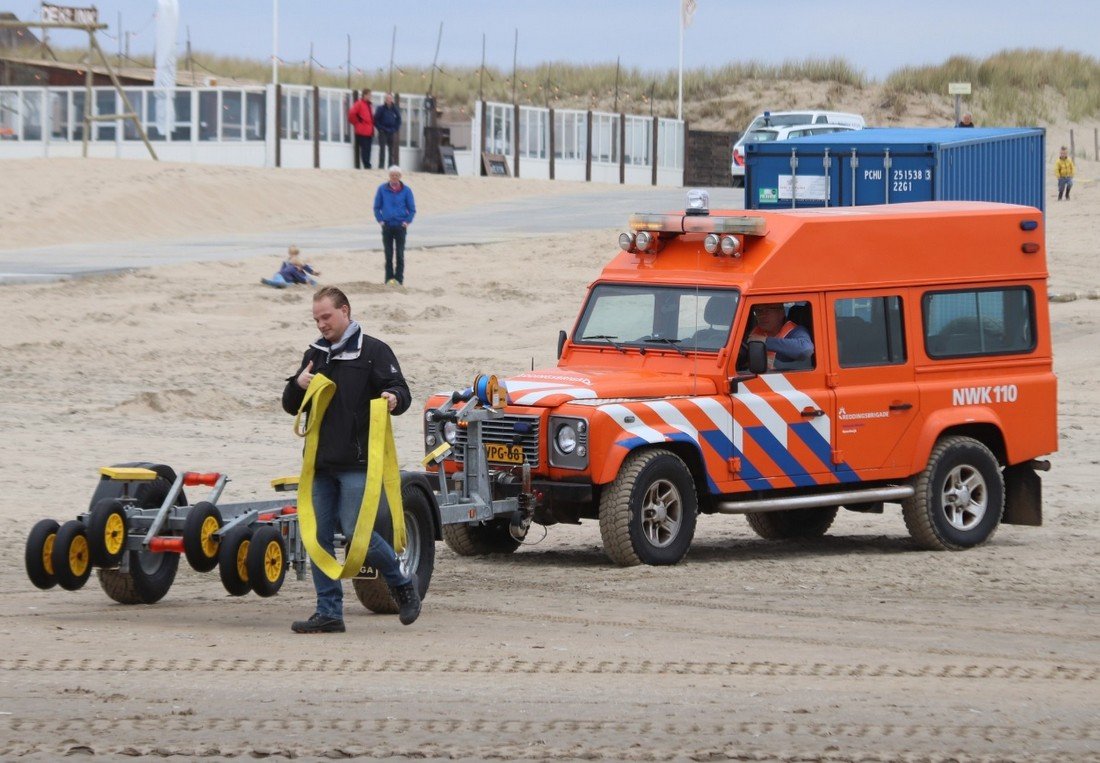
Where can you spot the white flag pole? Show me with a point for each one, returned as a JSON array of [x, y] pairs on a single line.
[[274, 42], [680, 89]]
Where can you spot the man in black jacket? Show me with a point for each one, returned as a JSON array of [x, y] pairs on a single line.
[[363, 368]]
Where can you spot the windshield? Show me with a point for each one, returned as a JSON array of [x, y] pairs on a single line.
[[781, 120], [685, 319], [761, 136]]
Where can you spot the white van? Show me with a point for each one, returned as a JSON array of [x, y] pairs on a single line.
[[800, 119]]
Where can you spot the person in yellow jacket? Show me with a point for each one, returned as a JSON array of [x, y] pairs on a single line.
[[1063, 170]]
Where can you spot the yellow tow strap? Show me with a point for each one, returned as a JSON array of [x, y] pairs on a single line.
[[382, 472]]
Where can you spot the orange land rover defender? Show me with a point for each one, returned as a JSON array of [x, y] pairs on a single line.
[[927, 382]]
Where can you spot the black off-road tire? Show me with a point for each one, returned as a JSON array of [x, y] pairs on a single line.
[[107, 528], [150, 576], [266, 561], [492, 537], [792, 523], [418, 557], [232, 561], [926, 513], [38, 555], [628, 537], [71, 558], [200, 548]]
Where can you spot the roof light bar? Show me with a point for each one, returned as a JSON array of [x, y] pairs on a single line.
[[673, 223], [746, 225]]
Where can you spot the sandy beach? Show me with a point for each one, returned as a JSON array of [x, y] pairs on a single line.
[[853, 647]]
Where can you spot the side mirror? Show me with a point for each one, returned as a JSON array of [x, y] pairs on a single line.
[[561, 342], [758, 357]]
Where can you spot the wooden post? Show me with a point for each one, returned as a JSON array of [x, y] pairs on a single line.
[[588, 149], [316, 127], [351, 127], [1096, 144], [1072, 146], [683, 168], [278, 125], [656, 125], [87, 98], [552, 146], [622, 148], [130, 113], [515, 140], [395, 147], [483, 129]]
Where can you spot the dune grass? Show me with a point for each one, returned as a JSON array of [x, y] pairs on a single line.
[[1011, 87]]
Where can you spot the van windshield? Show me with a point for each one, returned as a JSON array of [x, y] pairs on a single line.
[[681, 318]]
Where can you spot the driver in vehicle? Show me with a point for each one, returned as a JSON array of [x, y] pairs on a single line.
[[788, 345]]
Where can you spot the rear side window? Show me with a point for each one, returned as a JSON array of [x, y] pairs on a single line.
[[869, 332], [985, 322]]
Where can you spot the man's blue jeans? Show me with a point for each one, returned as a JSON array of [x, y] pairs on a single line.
[[336, 499], [394, 236]]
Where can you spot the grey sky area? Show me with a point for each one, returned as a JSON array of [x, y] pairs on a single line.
[[876, 36]]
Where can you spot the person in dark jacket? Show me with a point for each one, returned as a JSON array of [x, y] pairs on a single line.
[[394, 209], [387, 121], [361, 118], [362, 368]]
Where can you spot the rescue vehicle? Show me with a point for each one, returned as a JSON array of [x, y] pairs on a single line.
[[930, 384]]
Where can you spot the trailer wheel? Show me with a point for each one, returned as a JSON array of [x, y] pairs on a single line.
[[38, 557], [265, 561], [199, 543], [232, 558], [418, 556], [107, 528], [491, 537], [70, 556], [959, 497], [792, 523], [150, 576], [648, 513]]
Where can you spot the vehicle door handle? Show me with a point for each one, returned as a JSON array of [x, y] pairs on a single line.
[[900, 406], [810, 413]]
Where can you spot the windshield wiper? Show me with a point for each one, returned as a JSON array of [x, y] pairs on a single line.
[[665, 340], [609, 338]]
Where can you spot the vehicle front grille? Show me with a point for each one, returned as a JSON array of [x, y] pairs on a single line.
[[502, 430]]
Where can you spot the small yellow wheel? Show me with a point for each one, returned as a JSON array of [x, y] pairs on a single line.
[[199, 543], [71, 556], [266, 561], [38, 554], [107, 527], [232, 553]]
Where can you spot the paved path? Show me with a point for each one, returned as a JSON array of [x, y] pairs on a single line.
[[482, 224]]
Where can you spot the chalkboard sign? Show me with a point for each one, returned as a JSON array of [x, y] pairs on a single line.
[[496, 165], [447, 160]]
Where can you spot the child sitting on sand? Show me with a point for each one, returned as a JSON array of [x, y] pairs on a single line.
[[293, 271]]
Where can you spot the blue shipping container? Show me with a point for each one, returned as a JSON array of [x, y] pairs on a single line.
[[894, 165]]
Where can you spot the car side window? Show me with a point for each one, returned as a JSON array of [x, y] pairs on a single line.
[[996, 321], [869, 331], [788, 330]]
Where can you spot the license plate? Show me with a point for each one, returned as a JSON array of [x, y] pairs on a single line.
[[504, 454]]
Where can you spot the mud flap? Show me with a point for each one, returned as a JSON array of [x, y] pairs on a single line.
[[1023, 496]]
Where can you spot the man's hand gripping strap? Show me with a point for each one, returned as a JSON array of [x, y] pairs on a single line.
[[382, 472]]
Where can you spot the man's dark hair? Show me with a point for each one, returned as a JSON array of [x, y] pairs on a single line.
[[339, 299]]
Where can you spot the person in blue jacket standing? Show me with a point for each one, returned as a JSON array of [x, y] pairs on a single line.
[[394, 209], [387, 122]]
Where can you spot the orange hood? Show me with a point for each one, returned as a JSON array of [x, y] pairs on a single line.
[[550, 387]]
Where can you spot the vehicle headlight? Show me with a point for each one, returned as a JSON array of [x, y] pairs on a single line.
[[450, 432], [430, 440], [566, 438]]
